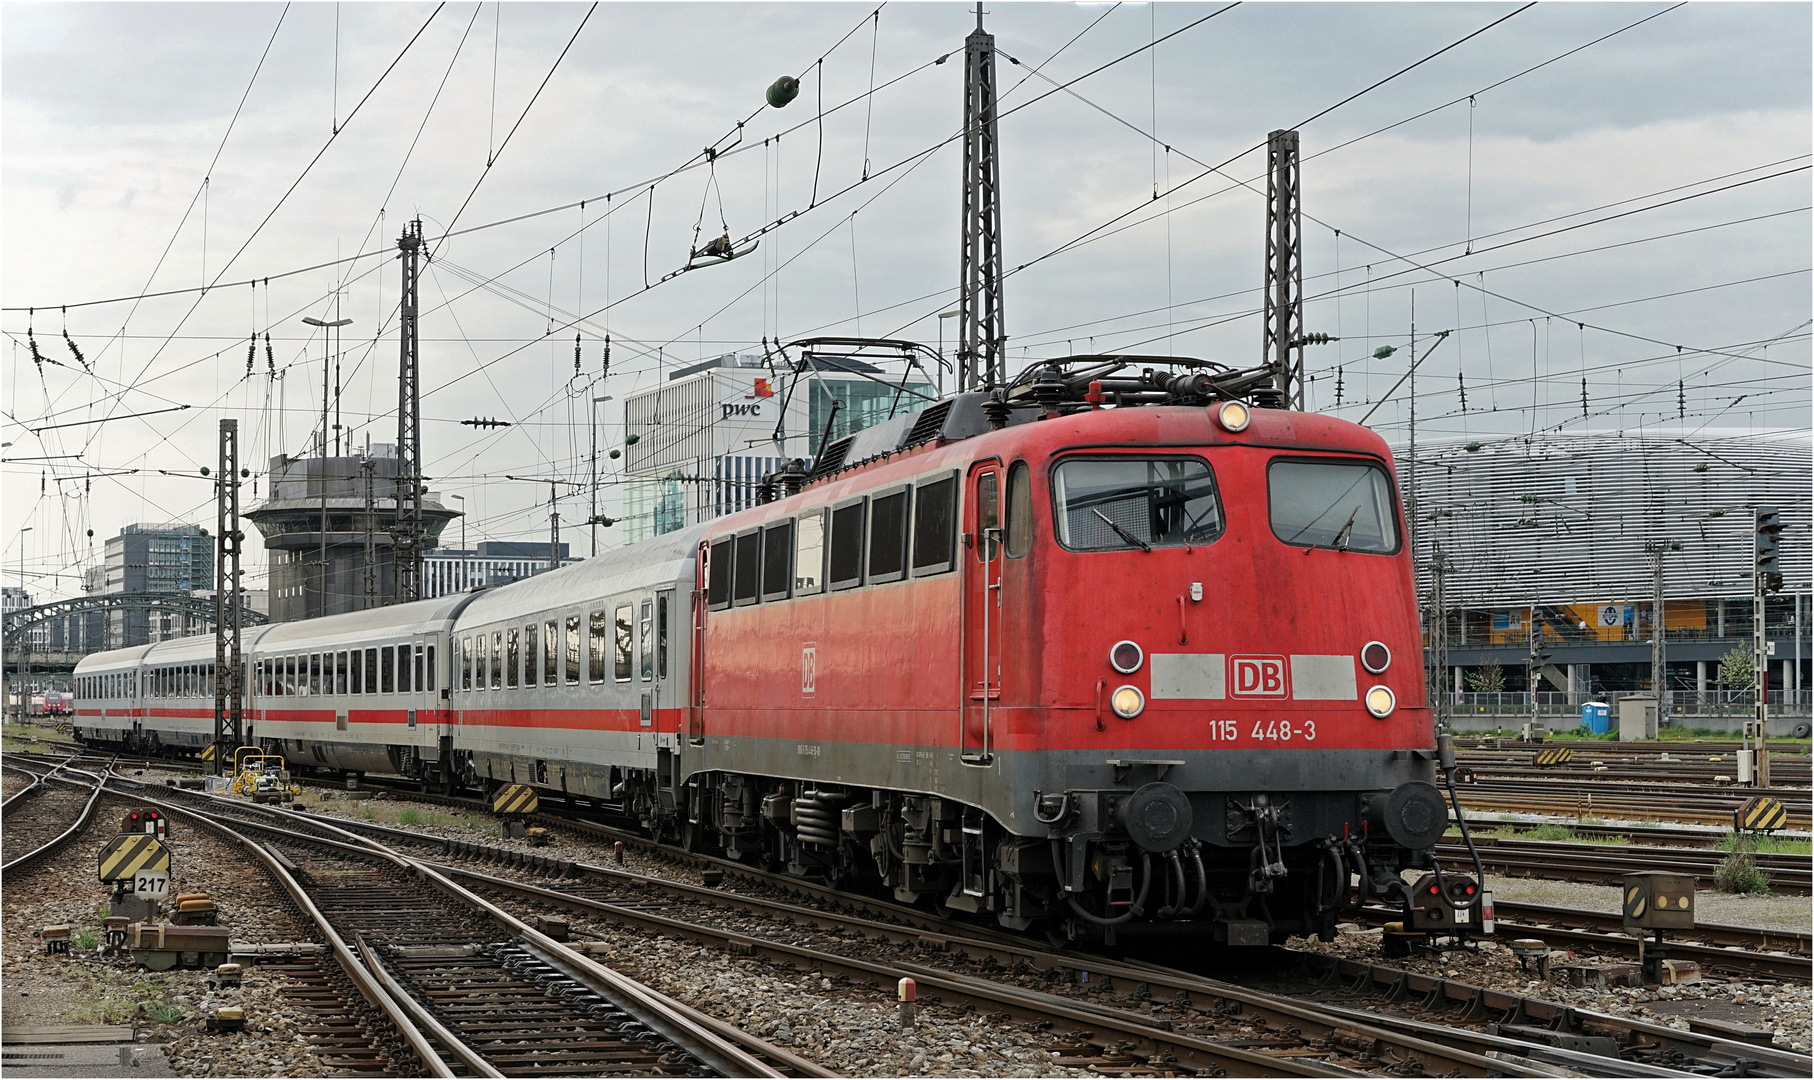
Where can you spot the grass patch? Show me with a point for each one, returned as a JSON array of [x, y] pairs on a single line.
[[410, 816], [1739, 873], [165, 1013], [1550, 832], [1762, 844], [86, 941]]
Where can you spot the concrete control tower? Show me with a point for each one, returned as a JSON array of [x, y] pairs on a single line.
[[314, 575]]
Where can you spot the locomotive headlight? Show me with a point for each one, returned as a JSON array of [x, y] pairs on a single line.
[[1125, 657], [1233, 416], [1380, 702], [1375, 657], [1128, 702]]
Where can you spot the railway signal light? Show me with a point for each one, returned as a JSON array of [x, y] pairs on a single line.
[[1769, 548]]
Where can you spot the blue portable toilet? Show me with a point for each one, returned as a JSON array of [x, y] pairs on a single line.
[[1596, 716]]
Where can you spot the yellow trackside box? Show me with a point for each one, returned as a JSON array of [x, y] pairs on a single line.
[[515, 799], [1659, 901]]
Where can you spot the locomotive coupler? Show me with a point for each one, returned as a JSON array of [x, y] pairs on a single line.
[[1268, 820]]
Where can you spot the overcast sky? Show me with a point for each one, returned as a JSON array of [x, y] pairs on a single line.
[[129, 165]]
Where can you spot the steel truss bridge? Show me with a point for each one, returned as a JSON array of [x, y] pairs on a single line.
[[193, 613]]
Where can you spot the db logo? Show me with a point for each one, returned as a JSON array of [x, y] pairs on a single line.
[[1258, 676], [809, 669]]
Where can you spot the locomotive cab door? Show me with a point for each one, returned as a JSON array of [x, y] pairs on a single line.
[[982, 613]]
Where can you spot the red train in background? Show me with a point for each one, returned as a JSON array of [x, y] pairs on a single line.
[[1117, 649]]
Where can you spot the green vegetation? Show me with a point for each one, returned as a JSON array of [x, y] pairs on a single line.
[[1764, 844], [411, 816], [1739, 873], [86, 941], [166, 1013]]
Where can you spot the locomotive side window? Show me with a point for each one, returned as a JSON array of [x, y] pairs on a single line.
[[777, 561], [847, 545], [718, 575], [888, 536], [596, 661], [625, 643], [934, 522], [512, 659], [551, 653], [1111, 504], [988, 513], [746, 580], [809, 554], [1019, 533], [1342, 505]]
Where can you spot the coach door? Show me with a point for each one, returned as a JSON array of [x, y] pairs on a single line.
[[982, 612]]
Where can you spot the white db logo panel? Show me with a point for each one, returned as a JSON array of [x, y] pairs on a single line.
[[1257, 676]]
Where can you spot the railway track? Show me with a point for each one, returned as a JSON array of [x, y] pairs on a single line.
[[654, 903], [1722, 950], [1696, 805], [1607, 864], [475, 990], [39, 820]]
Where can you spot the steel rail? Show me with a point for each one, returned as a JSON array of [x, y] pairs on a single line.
[[57, 842], [34, 788], [362, 979], [665, 1016], [1608, 864]]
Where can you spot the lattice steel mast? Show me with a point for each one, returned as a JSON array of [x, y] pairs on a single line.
[[407, 532], [981, 339], [229, 694], [1284, 345]]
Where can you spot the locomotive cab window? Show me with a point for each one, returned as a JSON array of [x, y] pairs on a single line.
[[1114, 504], [888, 536], [809, 554], [777, 561], [746, 583], [847, 545], [934, 526], [1019, 533], [718, 575], [1346, 505]]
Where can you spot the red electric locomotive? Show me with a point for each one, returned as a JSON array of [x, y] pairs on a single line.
[[1109, 651]]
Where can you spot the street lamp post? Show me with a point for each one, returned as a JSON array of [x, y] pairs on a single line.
[[464, 584], [21, 637], [334, 325], [596, 402]]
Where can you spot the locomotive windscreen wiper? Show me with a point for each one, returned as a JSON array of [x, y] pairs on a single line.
[[1123, 533], [1340, 543]]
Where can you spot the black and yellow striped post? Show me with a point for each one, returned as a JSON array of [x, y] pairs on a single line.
[[1760, 813], [129, 853], [514, 803]]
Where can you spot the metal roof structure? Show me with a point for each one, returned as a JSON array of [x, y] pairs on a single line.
[[1563, 518]]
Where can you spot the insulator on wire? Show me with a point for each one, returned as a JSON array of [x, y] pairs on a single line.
[[32, 340], [80, 359], [1338, 386], [1681, 400], [1462, 383], [576, 354], [270, 358], [606, 370], [251, 354], [1583, 399]]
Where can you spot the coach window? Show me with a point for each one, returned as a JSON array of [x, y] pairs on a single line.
[[371, 671], [1019, 538], [424, 670], [626, 640], [292, 676], [497, 659], [466, 664], [340, 675], [479, 662], [646, 633], [387, 669], [531, 668], [661, 634], [511, 656], [551, 653], [746, 582], [595, 650], [934, 523], [718, 575], [1114, 504], [573, 650], [777, 561], [847, 545], [888, 536]]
